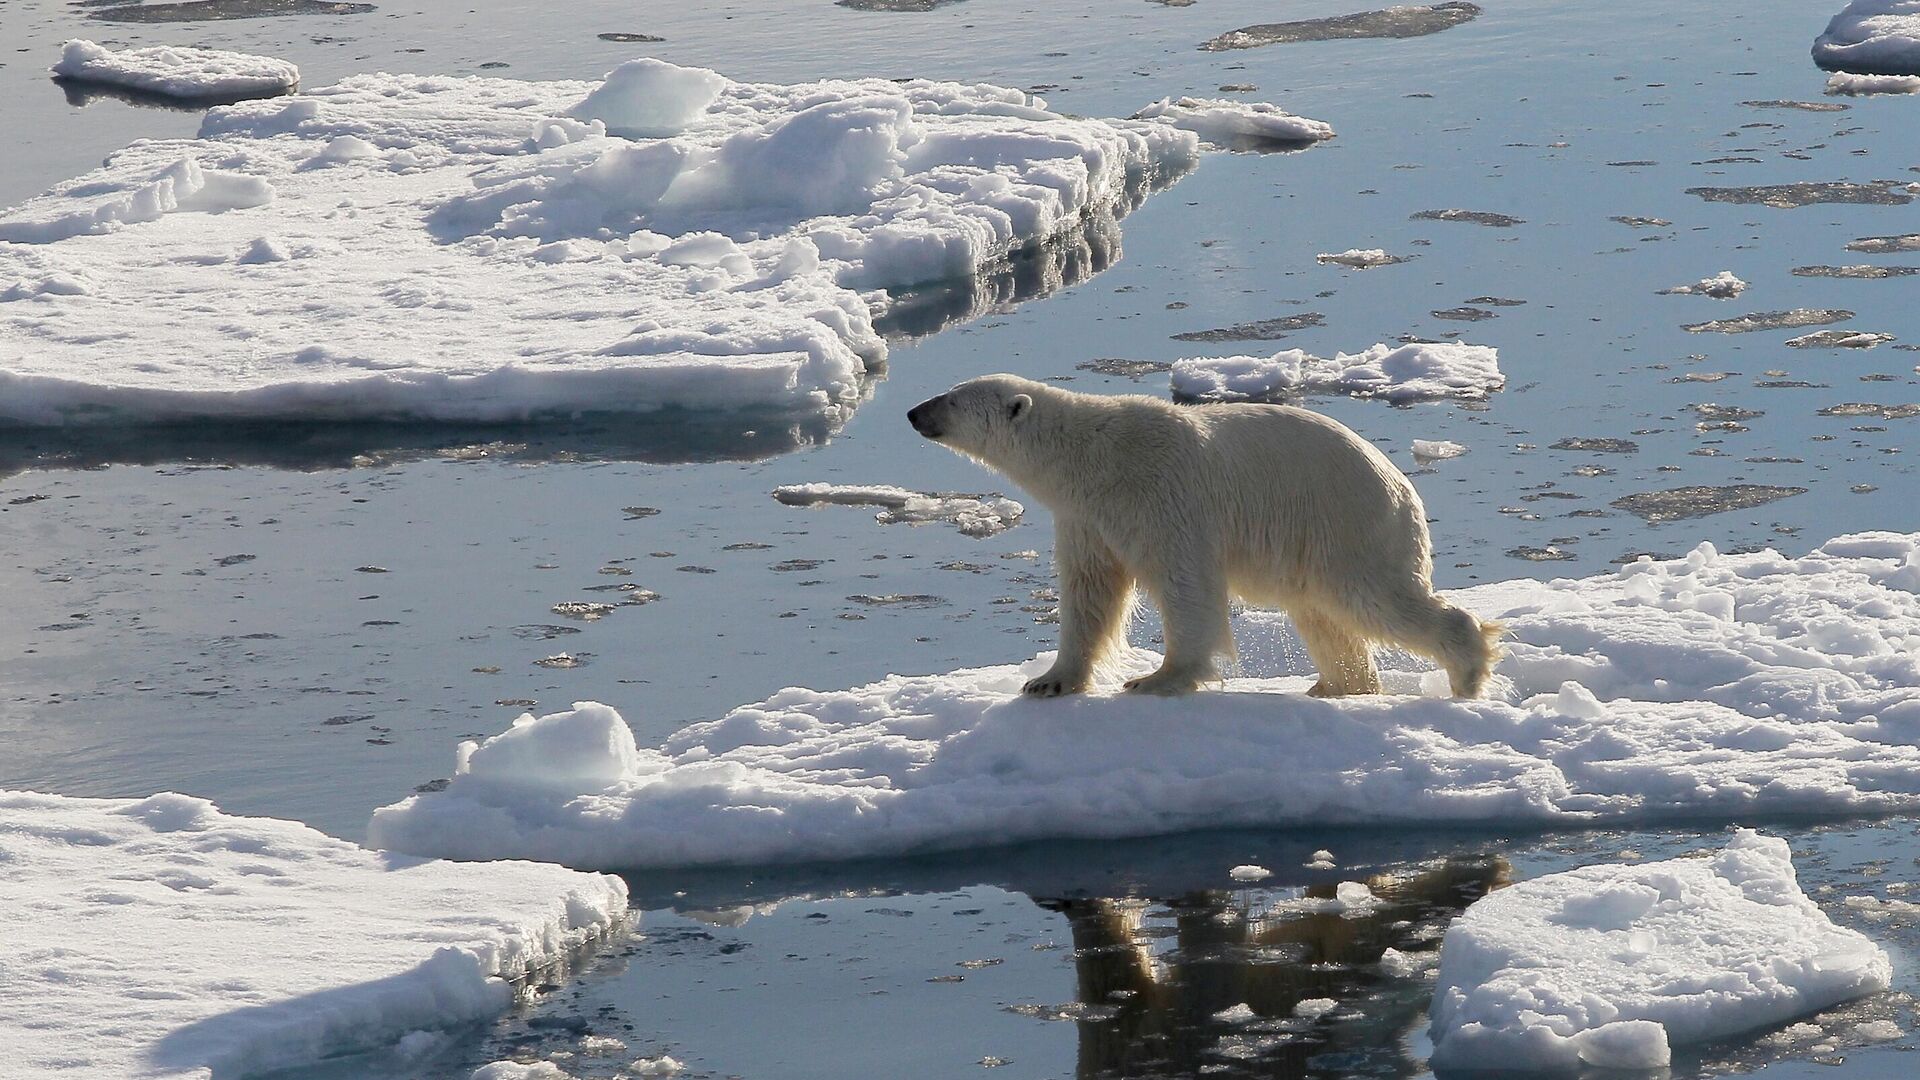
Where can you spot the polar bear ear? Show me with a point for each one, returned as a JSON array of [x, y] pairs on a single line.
[[1018, 406]]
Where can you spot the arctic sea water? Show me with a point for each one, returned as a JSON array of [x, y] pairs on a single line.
[[302, 623]]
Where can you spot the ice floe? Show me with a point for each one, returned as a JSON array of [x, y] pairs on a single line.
[[1390, 373], [974, 515], [159, 937], [398, 247], [1612, 966], [1872, 37], [1425, 450], [1236, 123], [1845, 82], [1712, 686], [177, 71]]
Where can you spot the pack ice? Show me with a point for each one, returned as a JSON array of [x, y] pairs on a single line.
[[478, 249], [1872, 37], [1612, 966], [1712, 686], [160, 937], [178, 71]]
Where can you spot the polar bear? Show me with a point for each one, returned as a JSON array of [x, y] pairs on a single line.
[[1198, 504]]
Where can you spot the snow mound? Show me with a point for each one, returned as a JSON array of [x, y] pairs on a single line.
[[977, 516], [475, 249], [1612, 966], [1872, 37], [1228, 122], [1707, 687], [1406, 373], [160, 937], [178, 71]]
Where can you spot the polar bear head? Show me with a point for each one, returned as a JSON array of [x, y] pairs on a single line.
[[981, 417]]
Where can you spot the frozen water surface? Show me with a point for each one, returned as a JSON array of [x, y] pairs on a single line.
[[293, 684]]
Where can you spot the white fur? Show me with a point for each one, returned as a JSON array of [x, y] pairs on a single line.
[[1195, 505]]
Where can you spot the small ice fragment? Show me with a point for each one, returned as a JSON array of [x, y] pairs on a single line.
[[1352, 894], [178, 71], [664, 1065], [1238, 1014], [1437, 449], [1721, 286], [1248, 872], [1315, 1007]]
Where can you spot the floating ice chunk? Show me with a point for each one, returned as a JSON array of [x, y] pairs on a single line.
[[1612, 966], [664, 1065], [650, 99], [178, 71], [1721, 286], [159, 937], [1238, 1014], [1436, 449], [1249, 873], [1312, 1008], [1847, 83], [974, 515], [1228, 122], [1321, 860], [516, 1070], [488, 256], [1361, 258], [1715, 685], [1872, 37], [1409, 372]]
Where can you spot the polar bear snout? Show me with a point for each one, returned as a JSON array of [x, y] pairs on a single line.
[[925, 416]]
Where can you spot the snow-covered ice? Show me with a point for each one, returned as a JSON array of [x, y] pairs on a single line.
[[1391, 373], [159, 937], [480, 249], [1436, 449], [1612, 966], [1232, 123], [1721, 286], [974, 515], [1712, 686], [1872, 37], [178, 71]]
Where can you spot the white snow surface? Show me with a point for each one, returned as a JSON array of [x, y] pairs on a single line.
[[1390, 373], [400, 246], [1218, 120], [1708, 687], [977, 516], [1872, 37], [159, 937], [178, 71], [1613, 966]]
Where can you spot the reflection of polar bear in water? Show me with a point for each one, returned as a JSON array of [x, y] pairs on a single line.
[[1197, 504]]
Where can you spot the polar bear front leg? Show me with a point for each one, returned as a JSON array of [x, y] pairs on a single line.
[[1095, 593], [1193, 607]]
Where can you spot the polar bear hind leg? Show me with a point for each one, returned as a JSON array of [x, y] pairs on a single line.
[[1341, 655], [1420, 622]]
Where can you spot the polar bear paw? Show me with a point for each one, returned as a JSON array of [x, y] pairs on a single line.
[[1053, 684], [1165, 683]]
